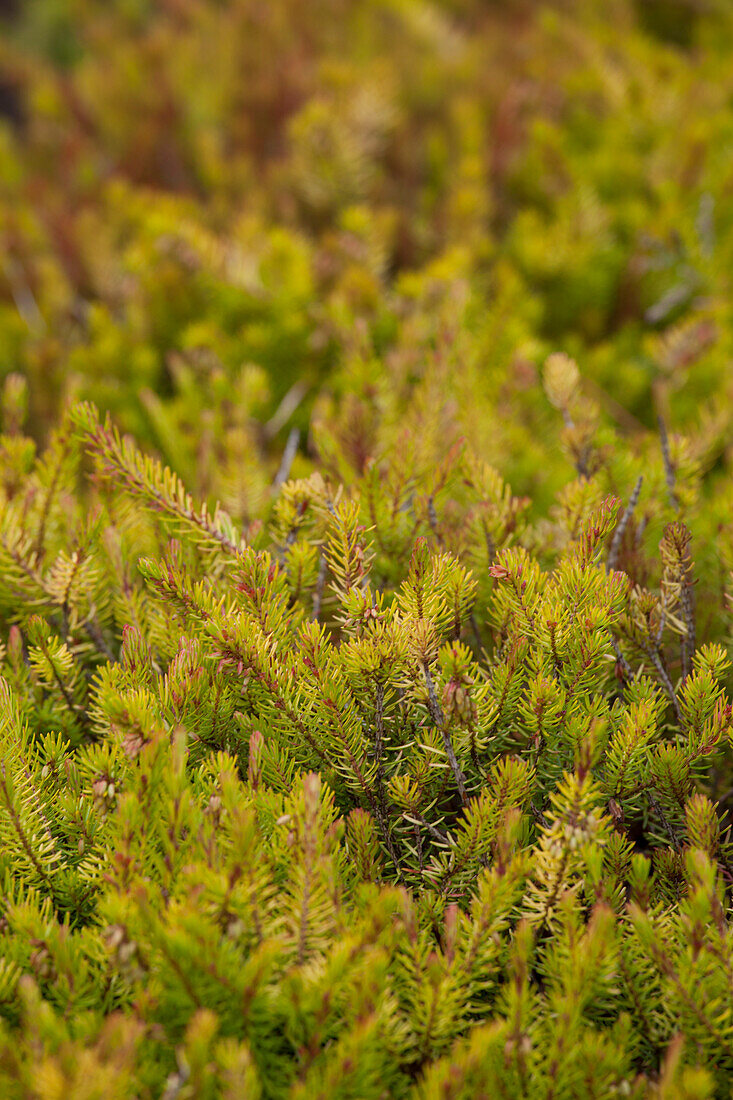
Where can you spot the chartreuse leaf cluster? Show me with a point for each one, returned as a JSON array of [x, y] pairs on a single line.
[[397, 793]]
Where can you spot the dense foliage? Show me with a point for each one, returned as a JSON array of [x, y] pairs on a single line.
[[366, 549]]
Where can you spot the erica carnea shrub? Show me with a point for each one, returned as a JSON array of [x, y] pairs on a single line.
[[365, 550], [392, 793]]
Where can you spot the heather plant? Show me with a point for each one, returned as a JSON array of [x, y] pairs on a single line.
[[394, 792], [365, 550]]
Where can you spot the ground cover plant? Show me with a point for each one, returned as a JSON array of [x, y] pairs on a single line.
[[366, 550]]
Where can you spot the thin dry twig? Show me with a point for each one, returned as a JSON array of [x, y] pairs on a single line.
[[668, 467], [623, 524], [439, 718], [291, 449]]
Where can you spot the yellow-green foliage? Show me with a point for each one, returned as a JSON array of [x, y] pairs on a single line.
[[365, 550]]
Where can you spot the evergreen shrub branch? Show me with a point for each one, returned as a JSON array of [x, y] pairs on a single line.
[[364, 852]]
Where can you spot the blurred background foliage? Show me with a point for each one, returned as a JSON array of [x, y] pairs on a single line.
[[225, 219]]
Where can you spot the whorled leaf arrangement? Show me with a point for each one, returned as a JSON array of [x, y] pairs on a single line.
[[365, 724], [395, 794]]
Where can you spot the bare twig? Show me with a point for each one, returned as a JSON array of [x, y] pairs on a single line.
[[439, 719], [291, 448], [624, 665], [318, 592], [652, 653], [433, 521], [539, 816], [436, 834], [22, 294], [668, 467], [641, 528], [671, 832], [379, 728], [687, 600], [380, 803], [623, 524], [285, 409], [662, 625]]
